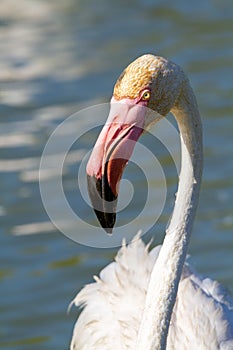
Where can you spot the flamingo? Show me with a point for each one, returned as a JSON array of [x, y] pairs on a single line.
[[154, 299]]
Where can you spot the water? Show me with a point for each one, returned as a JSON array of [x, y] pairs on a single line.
[[57, 57]]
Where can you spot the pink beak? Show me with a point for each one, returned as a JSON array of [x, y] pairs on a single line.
[[110, 155]]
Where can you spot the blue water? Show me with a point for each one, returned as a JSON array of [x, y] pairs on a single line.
[[56, 58]]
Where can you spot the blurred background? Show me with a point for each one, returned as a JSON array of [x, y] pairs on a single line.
[[56, 58]]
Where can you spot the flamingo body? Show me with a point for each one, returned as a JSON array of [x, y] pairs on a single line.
[[202, 316]]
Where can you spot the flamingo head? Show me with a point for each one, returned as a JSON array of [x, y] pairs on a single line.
[[151, 82]]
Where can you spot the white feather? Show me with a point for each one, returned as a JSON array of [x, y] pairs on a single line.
[[113, 305]]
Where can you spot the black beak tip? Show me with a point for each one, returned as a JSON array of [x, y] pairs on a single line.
[[103, 202], [109, 231], [106, 220]]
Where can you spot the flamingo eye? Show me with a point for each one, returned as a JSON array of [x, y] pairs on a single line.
[[146, 95]]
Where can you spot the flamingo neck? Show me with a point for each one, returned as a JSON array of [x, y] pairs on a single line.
[[166, 273]]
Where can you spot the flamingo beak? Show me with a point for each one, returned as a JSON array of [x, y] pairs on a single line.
[[110, 155]]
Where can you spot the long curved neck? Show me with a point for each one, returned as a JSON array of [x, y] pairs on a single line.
[[166, 273]]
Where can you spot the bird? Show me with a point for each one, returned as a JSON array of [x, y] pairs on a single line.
[[150, 298]]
